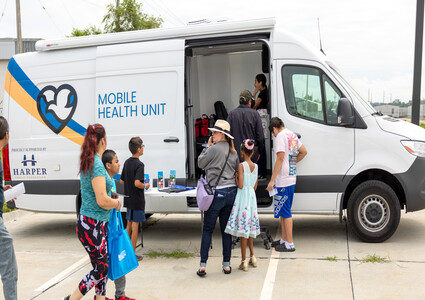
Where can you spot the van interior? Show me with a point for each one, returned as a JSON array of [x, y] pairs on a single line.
[[218, 70]]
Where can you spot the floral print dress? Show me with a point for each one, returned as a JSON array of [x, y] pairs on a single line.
[[243, 220]]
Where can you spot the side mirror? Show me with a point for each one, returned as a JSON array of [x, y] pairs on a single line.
[[345, 112]]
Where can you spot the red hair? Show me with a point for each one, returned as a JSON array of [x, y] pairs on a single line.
[[94, 134]]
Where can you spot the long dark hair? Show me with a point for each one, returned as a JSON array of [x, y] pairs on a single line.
[[262, 78], [94, 134]]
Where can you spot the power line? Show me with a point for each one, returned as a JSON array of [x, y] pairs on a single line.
[[170, 12], [67, 11], [93, 4], [4, 8], [161, 11], [51, 19]]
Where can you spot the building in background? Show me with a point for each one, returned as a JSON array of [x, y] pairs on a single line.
[[8, 48], [393, 110], [400, 111]]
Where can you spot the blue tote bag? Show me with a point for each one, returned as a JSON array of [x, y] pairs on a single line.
[[122, 258]]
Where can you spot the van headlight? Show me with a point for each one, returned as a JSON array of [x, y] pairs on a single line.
[[414, 147]]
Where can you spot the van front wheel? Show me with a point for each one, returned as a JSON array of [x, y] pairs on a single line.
[[373, 211]]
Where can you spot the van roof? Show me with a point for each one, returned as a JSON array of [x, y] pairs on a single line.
[[189, 31]]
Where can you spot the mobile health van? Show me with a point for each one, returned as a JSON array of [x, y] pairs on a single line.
[[156, 83]]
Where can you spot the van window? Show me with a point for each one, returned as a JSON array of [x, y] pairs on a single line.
[[332, 96], [310, 94]]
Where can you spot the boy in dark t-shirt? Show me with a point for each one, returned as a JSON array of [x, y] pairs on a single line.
[[133, 176]]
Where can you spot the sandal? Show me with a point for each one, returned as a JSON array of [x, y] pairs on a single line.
[[201, 273], [227, 271], [253, 261], [244, 265]]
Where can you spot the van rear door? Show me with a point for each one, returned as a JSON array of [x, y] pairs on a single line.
[[140, 92], [308, 98]]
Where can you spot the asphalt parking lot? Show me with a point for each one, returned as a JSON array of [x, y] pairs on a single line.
[[329, 262]]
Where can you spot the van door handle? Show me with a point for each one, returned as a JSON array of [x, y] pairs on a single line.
[[171, 139]]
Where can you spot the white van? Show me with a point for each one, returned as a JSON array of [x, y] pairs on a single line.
[[156, 83]]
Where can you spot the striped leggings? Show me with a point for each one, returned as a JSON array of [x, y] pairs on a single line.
[[93, 235]]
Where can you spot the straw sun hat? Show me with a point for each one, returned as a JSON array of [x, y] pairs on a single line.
[[223, 127]]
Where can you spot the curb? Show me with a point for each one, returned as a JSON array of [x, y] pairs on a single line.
[[14, 215]]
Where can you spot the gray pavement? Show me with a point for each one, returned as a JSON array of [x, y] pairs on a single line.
[[328, 262]]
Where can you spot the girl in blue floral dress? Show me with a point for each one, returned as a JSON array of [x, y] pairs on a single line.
[[243, 221]]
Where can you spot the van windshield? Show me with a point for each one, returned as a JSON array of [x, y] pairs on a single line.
[[365, 103]]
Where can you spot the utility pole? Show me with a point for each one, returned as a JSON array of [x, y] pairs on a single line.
[[417, 64], [18, 25]]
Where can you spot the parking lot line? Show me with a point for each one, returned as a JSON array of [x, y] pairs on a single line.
[[269, 280], [62, 275]]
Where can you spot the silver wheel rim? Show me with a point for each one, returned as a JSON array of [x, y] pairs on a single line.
[[374, 213]]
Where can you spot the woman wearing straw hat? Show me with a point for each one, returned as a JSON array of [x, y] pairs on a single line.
[[220, 152]]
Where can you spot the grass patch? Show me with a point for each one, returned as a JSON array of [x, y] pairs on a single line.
[[374, 259], [331, 258], [6, 209], [422, 125], [173, 254]]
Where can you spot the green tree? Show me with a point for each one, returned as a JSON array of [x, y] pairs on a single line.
[[87, 31], [128, 16]]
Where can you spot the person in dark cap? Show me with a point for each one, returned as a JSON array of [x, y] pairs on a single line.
[[245, 123]]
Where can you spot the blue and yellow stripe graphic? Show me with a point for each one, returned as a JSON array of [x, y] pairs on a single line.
[[24, 92]]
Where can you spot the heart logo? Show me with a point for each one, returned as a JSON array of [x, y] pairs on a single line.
[[57, 106]]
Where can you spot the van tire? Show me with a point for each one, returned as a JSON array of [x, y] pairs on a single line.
[[373, 211]]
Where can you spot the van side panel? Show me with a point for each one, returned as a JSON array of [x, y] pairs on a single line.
[[140, 92]]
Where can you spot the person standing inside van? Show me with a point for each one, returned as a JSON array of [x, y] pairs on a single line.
[[262, 101], [112, 166], [289, 151], [262, 106], [220, 154], [95, 211], [133, 178], [8, 266]]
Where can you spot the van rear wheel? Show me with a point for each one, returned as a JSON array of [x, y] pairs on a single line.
[[373, 211]]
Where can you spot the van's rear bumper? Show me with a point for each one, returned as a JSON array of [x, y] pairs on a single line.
[[413, 182]]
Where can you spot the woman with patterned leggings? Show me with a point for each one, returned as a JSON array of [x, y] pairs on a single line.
[[95, 211]]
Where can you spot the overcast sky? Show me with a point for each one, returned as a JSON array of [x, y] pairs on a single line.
[[371, 42]]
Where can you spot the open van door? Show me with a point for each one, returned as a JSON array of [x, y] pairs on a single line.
[[308, 100], [140, 92]]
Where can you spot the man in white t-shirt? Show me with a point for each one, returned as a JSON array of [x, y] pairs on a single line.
[[289, 150]]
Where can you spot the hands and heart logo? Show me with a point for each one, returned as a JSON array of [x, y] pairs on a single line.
[[56, 106]]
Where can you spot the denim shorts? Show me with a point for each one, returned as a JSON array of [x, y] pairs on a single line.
[[135, 215], [283, 201]]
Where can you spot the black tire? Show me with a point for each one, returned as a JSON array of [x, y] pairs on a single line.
[[373, 211]]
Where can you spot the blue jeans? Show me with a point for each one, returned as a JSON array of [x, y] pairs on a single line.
[[221, 207], [8, 266]]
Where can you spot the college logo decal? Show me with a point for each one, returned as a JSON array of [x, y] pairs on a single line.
[[57, 106]]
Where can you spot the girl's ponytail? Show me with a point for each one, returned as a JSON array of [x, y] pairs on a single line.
[[94, 134]]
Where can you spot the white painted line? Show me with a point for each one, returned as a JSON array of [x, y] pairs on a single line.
[[63, 274], [269, 280]]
